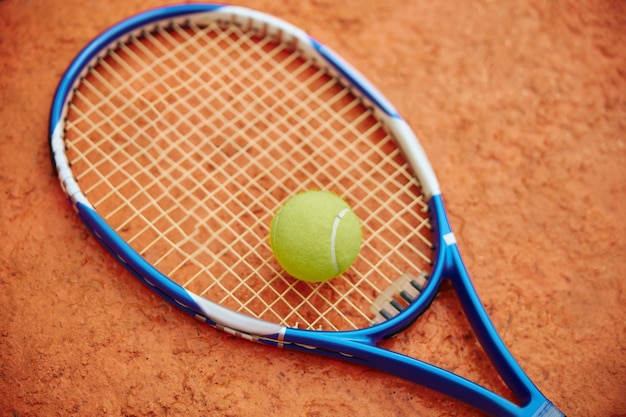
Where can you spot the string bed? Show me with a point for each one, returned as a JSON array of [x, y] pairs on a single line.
[[187, 138]]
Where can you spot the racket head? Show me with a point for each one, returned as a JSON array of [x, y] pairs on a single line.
[[84, 119]]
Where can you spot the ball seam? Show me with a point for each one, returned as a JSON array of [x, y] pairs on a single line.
[[333, 238]]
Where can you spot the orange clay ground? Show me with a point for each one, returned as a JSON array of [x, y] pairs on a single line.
[[521, 106]]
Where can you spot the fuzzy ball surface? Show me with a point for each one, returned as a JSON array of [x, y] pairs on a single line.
[[315, 236]]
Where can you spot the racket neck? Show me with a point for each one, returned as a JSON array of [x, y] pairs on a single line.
[[454, 269]]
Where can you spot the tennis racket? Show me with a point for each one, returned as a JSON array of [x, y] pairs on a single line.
[[178, 133]]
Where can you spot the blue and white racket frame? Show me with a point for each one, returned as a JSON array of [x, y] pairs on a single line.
[[358, 346]]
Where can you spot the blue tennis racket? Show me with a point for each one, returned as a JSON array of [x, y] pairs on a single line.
[[178, 133]]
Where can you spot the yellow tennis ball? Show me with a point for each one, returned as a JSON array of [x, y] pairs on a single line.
[[315, 236]]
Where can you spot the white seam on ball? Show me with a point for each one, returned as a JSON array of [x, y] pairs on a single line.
[[333, 238]]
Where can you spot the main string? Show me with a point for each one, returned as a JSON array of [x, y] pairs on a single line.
[[188, 138]]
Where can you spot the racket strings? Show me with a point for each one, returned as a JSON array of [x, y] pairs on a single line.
[[187, 139]]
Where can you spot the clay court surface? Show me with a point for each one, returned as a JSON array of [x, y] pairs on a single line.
[[521, 107]]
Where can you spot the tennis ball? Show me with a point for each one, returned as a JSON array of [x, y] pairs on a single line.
[[315, 236]]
